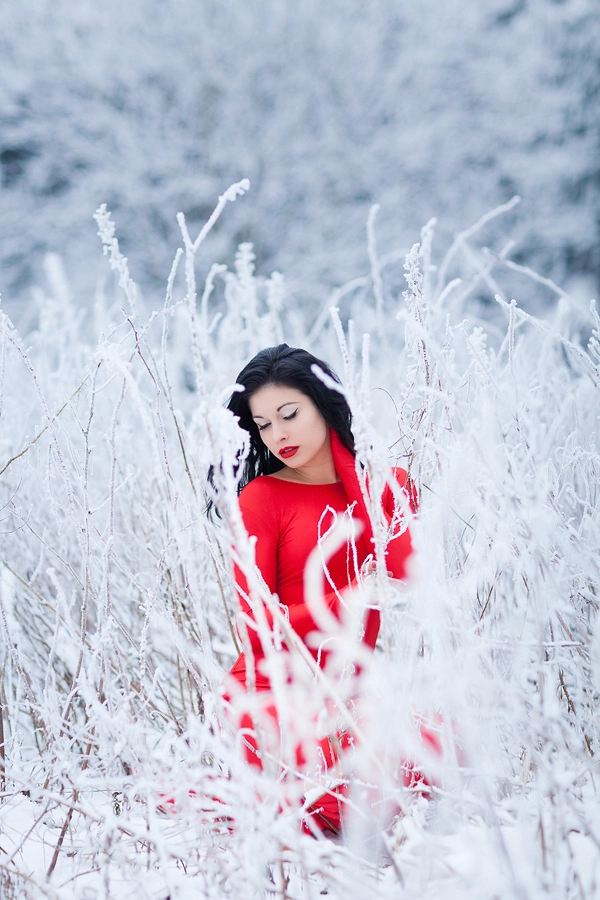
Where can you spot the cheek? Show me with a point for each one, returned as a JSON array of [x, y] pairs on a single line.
[[319, 430]]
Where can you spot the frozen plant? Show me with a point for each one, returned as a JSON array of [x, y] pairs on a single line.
[[117, 603]]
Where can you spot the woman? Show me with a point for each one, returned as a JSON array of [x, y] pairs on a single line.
[[298, 479]]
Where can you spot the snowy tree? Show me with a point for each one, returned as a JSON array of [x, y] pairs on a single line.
[[427, 108]]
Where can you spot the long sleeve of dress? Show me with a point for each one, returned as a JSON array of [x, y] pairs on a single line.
[[266, 561], [264, 529], [298, 615]]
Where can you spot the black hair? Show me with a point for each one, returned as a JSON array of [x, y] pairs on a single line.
[[289, 367]]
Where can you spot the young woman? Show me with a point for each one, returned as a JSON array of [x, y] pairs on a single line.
[[298, 478]]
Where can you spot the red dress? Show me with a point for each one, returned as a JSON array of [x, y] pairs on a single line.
[[287, 519]]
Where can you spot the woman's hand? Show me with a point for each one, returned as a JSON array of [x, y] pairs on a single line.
[[369, 568]]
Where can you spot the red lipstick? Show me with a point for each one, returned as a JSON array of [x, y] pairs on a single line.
[[288, 452]]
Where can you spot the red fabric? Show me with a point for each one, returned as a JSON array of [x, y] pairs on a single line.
[[328, 811], [287, 518]]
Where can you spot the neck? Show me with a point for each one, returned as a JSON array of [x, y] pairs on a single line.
[[311, 474]]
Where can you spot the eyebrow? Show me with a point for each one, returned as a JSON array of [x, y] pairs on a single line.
[[279, 408]]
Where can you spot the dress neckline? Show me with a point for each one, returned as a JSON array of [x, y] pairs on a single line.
[[306, 483]]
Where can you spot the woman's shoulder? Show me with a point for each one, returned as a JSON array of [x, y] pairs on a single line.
[[260, 491], [261, 506]]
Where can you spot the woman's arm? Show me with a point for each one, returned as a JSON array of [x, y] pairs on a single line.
[[265, 550], [264, 529], [299, 616], [399, 546]]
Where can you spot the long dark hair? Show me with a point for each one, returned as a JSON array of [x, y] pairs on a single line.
[[288, 367]]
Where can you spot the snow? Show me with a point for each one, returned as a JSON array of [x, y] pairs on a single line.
[[295, 153], [116, 589]]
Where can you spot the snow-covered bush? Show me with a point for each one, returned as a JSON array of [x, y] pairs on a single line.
[[117, 602]]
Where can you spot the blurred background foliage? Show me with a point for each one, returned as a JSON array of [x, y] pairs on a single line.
[[430, 108]]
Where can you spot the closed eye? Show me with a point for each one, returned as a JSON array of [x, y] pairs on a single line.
[[286, 419]]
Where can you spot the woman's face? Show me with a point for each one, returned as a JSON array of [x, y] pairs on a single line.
[[291, 426]]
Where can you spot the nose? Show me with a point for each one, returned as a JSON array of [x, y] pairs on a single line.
[[279, 432]]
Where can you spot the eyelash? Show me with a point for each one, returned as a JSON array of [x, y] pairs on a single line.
[[286, 419]]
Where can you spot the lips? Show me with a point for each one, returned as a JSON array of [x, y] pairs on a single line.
[[288, 452]]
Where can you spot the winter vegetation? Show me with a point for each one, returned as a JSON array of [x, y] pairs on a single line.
[[117, 602], [430, 108], [469, 351]]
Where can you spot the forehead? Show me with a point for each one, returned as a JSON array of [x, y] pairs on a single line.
[[266, 401]]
